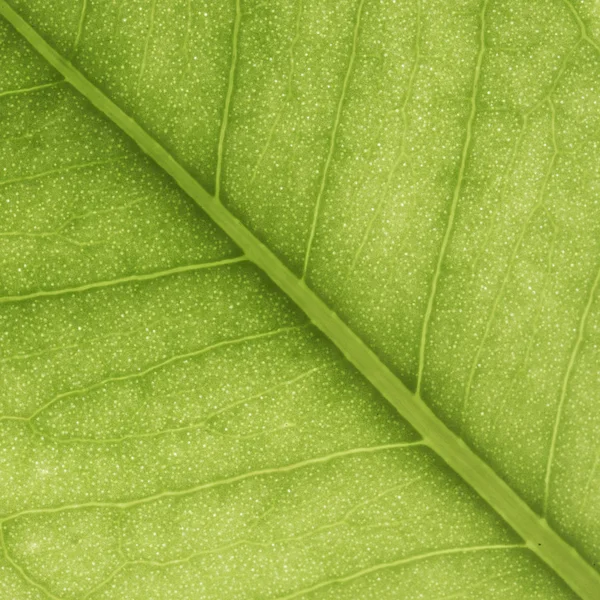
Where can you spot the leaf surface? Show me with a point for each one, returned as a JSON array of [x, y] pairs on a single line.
[[430, 206]]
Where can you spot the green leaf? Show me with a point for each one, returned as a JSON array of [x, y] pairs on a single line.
[[419, 180]]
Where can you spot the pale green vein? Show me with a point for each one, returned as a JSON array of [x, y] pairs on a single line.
[[146, 46], [541, 540], [585, 496], [518, 146], [557, 78], [57, 233], [363, 176], [288, 94], [262, 433], [35, 88], [21, 572], [219, 482], [73, 219], [332, 141], [106, 580], [30, 132], [505, 181], [539, 204], [455, 197], [228, 97], [565, 386], [188, 31], [538, 311], [89, 341], [182, 429], [397, 563], [118, 19], [80, 25], [50, 172], [581, 25], [121, 280], [345, 519], [401, 153], [164, 363], [249, 542]]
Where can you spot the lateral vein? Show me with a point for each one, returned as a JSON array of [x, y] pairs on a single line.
[[146, 47], [120, 280], [80, 26], [539, 205], [35, 88], [336, 124], [401, 153], [565, 385], [50, 172], [219, 482], [397, 563], [455, 197], [162, 364], [228, 97]]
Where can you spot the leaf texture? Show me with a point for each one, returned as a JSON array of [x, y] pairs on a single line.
[[446, 214]]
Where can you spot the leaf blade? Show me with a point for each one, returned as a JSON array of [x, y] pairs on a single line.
[[539, 537]]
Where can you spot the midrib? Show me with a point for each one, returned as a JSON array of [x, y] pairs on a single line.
[[539, 537]]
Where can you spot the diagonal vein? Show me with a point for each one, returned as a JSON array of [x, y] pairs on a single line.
[[539, 537], [332, 141], [565, 385], [21, 571], [228, 97], [59, 171], [127, 279], [585, 496], [402, 152], [455, 197], [289, 91], [197, 425], [163, 363], [218, 482], [28, 90], [539, 204], [146, 46], [397, 563], [582, 27], [80, 25]]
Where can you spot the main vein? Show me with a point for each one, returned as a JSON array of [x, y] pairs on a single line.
[[539, 537]]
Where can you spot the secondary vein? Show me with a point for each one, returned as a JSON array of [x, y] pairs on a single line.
[[565, 385], [334, 130], [397, 563], [120, 280], [227, 107], [455, 197], [146, 46], [218, 482]]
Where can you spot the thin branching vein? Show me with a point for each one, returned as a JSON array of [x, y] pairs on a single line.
[[122, 280], [455, 196], [396, 563], [228, 97], [332, 141], [218, 482]]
